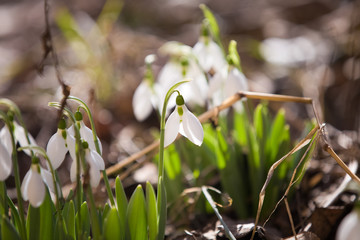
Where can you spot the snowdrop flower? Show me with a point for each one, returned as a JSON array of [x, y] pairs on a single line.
[[57, 146], [96, 164], [146, 94], [184, 122], [6, 147], [86, 133], [349, 228], [33, 187], [183, 65], [226, 83], [5, 162], [20, 137], [208, 53]]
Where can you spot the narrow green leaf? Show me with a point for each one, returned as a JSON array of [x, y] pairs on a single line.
[[14, 213], [136, 215], [3, 202], [105, 211], [152, 214], [70, 219], [83, 224], [161, 206], [47, 222], [111, 225], [122, 205], [277, 136], [8, 231], [33, 223], [258, 122]]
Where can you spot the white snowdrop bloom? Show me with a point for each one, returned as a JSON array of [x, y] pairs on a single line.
[[145, 99], [6, 139], [182, 121], [209, 54], [96, 164], [85, 134], [182, 65], [5, 162], [349, 228], [288, 52], [226, 83], [174, 71], [20, 136], [33, 187], [57, 148]]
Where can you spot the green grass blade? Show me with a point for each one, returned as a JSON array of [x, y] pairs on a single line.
[[152, 214], [136, 215]]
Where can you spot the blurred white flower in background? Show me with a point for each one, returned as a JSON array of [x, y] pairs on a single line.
[[209, 54], [225, 83], [288, 52], [147, 94]]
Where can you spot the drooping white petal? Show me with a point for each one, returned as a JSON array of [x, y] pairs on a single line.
[[70, 140], [97, 159], [95, 165], [192, 128], [141, 103], [6, 139], [87, 134], [217, 81], [349, 227], [5, 162], [56, 149], [25, 184], [94, 176], [236, 82], [172, 128], [73, 171], [33, 188], [48, 179], [20, 137]]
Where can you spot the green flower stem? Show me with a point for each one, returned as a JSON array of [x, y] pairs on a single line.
[[162, 126], [78, 149], [161, 198], [14, 158], [105, 177]]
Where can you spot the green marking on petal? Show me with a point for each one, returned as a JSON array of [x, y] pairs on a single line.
[[180, 111]]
